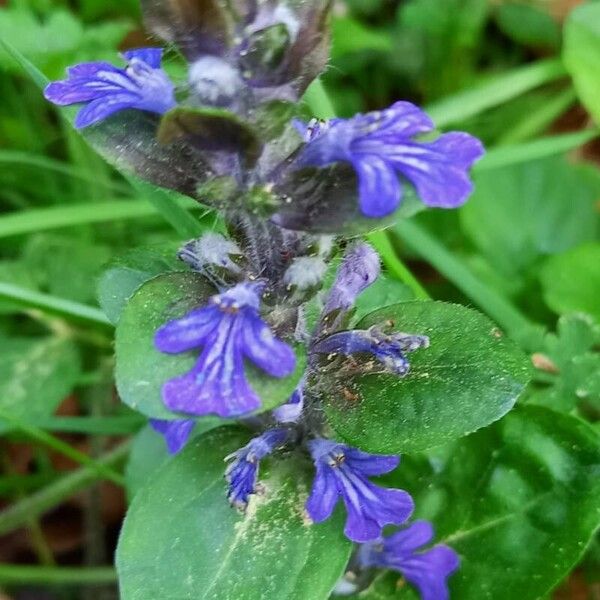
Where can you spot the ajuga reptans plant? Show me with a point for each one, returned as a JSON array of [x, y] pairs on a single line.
[[281, 281]]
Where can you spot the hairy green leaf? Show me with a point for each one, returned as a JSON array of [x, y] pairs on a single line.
[[470, 376]]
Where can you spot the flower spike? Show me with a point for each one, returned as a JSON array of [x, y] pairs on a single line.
[[427, 570], [382, 145], [343, 472], [228, 329], [106, 89]]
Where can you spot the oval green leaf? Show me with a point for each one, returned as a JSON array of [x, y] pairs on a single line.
[[181, 539], [518, 501], [142, 370], [470, 376], [124, 275]]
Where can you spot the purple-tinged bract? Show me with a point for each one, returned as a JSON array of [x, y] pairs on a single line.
[[359, 269], [291, 411], [176, 433], [403, 551], [106, 89], [242, 473], [229, 329], [343, 472], [382, 145], [389, 350]]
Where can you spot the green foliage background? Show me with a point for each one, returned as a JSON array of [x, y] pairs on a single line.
[[522, 75]]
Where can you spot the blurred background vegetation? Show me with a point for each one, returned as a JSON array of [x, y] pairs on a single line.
[[528, 240]]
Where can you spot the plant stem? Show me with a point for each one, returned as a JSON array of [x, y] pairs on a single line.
[[497, 307], [394, 264], [34, 575], [45, 302], [20, 513]]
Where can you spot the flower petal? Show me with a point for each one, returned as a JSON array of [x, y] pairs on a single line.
[[151, 56], [428, 571], [438, 170], [324, 494], [217, 384], [379, 189], [176, 433], [103, 107], [191, 331], [370, 464], [406, 541], [260, 345]]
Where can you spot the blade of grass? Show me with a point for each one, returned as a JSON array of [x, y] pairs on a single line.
[[495, 91], [38, 161], [44, 219], [538, 120], [22, 575], [56, 444], [394, 265], [43, 500], [52, 304], [497, 307], [174, 213], [92, 425], [540, 148]]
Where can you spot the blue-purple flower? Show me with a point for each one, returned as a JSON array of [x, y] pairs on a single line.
[[403, 551], [176, 433], [382, 145], [242, 473], [343, 472], [106, 89], [389, 350], [228, 330]]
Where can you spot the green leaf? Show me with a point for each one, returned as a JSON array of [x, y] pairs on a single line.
[[149, 453], [529, 25], [65, 266], [350, 35], [142, 370], [181, 539], [35, 376], [568, 366], [470, 376], [552, 201], [128, 272], [581, 54], [518, 501], [384, 292], [571, 280]]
